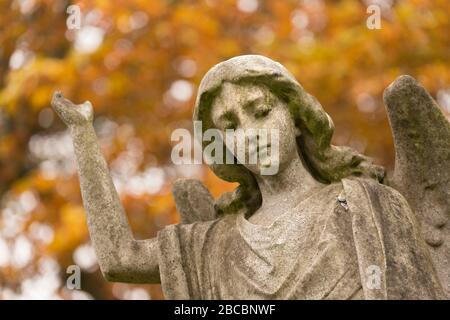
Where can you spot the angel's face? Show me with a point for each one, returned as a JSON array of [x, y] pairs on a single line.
[[253, 108]]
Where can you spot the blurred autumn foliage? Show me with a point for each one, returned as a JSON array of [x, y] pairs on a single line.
[[139, 63]]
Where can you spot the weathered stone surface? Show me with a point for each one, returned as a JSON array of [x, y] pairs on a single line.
[[422, 164], [317, 250], [193, 200], [322, 227]]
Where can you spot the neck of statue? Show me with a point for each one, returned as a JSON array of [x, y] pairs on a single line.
[[295, 179]]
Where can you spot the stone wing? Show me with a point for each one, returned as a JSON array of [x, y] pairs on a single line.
[[422, 164], [193, 201]]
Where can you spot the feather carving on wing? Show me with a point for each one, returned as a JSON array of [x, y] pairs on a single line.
[[422, 164]]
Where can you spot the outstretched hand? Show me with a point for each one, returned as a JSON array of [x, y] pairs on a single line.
[[70, 113]]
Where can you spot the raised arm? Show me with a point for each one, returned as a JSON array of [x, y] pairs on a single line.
[[121, 257]]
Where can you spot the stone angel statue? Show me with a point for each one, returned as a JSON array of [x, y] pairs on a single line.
[[328, 225]]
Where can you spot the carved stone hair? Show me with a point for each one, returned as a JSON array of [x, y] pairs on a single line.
[[327, 163]]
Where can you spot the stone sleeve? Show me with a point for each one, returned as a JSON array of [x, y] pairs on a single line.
[[184, 259]]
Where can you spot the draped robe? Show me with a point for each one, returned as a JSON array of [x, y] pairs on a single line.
[[356, 239]]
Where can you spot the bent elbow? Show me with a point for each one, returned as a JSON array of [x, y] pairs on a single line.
[[110, 273], [112, 270], [113, 266]]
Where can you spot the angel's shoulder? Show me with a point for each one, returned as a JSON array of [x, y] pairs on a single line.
[[378, 193]]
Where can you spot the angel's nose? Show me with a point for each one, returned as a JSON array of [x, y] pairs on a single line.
[[247, 122]]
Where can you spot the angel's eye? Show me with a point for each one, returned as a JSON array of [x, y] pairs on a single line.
[[262, 113]]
